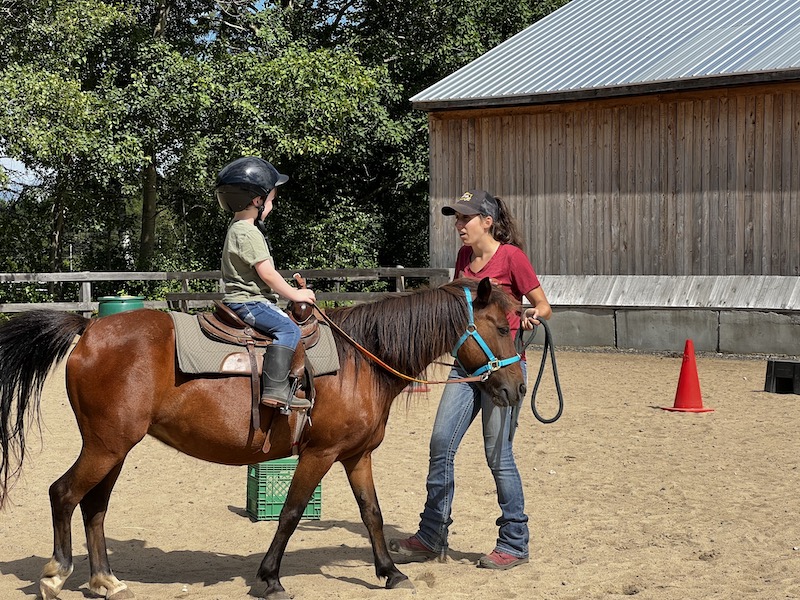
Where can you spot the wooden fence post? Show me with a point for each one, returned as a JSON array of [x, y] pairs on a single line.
[[85, 295], [400, 282]]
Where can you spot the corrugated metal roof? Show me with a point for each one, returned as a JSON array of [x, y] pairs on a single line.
[[591, 44]]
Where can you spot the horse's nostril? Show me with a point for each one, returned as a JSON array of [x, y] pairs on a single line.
[[522, 390]]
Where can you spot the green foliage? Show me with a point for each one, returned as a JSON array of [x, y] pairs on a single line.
[[23, 242], [127, 110], [340, 236]]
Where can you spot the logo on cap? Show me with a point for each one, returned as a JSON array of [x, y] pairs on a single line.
[[466, 197]]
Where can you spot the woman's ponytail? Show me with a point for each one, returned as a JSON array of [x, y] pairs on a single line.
[[504, 229]]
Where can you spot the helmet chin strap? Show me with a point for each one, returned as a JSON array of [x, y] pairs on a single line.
[[261, 226], [260, 215]]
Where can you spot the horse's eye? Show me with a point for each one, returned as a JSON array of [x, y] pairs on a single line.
[[504, 330]]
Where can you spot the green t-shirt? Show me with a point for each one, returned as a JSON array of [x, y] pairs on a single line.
[[244, 248]]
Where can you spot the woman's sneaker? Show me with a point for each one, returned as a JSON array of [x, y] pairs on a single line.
[[500, 561], [412, 549]]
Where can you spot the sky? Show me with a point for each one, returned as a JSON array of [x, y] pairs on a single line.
[[19, 175]]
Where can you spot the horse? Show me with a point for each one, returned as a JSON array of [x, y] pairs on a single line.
[[123, 382]]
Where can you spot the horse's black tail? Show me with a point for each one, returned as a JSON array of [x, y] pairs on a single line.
[[30, 345]]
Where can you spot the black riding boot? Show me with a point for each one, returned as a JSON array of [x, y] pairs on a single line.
[[276, 389]]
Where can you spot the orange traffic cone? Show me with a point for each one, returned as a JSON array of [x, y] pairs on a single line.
[[687, 397]]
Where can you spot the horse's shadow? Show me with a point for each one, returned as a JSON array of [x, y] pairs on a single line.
[[136, 562]]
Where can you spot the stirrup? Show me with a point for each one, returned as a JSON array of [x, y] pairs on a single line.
[[291, 402], [285, 407]]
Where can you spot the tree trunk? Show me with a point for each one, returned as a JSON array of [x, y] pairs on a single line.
[[57, 234], [161, 23], [149, 196], [147, 240], [58, 231]]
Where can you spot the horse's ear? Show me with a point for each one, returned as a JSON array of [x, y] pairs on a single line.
[[484, 291]]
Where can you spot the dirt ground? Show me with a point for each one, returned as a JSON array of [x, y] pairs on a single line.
[[624, 499]]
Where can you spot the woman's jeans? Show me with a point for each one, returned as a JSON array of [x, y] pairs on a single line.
[[460, 404], [269, 319]]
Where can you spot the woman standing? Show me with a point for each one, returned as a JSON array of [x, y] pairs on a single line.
[[492, 248]]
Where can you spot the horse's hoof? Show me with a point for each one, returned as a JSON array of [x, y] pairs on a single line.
[[125, 594], [49, 591], [406, 584], [114, 588], [278, 595], [401, 582], [53, 578]]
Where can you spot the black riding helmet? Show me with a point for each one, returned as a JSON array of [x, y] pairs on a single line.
[[244, 179]]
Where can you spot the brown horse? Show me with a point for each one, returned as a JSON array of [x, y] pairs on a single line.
[[123, 383]]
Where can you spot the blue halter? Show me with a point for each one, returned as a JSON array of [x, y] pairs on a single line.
[[494, 363]]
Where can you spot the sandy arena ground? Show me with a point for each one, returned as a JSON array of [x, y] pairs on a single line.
[[624, 499]]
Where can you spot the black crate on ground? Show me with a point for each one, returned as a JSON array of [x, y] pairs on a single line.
[[267, 486], [783, 377]]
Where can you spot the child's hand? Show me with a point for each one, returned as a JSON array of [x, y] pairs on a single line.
[[303, 295]]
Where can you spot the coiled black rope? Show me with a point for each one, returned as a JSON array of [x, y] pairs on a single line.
[[521, 344]]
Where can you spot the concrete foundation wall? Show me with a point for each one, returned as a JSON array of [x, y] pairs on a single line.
[[725, 331], [735, 314], [582, 327], [667, 329], [759, 332]]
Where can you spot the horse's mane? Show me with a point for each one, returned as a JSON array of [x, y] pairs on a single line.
[[408, 330]]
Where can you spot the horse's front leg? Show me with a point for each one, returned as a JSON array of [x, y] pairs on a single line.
[[311, 468], [359, 474]]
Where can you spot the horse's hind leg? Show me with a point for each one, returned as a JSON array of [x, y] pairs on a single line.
[[93, 507], [359, 474], [56, 571], [65, 494]]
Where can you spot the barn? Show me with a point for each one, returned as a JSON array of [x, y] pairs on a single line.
[[650, 149]]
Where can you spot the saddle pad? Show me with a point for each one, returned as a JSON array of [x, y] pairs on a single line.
[[323, 356], [199, 354]]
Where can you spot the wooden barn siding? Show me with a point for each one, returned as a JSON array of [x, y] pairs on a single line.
[[706, 183]]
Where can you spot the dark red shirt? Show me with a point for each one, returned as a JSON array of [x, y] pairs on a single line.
[[509, 268]]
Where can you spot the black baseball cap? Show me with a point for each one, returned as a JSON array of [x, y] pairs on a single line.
[[473, 202]]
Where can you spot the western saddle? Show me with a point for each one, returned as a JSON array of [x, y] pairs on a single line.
[[226, 326]]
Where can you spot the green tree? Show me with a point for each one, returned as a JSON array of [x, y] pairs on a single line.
[[419, 42], [127, 110], [131, 106]]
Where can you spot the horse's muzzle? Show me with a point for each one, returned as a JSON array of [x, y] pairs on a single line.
[[505, 397]]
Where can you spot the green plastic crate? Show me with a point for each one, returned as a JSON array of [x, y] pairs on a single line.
[[267, 486]]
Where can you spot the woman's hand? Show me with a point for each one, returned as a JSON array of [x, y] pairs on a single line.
[[529, 318], [538, 309]]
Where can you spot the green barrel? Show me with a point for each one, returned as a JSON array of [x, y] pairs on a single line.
[[110, 305]]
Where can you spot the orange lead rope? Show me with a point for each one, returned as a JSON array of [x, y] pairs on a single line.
[[391, 370], [482, 374]]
